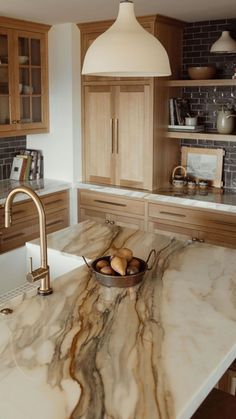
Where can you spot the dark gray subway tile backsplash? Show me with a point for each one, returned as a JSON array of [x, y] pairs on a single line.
[[9, 147], [205, 101]]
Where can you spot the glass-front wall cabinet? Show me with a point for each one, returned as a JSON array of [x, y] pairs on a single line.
[[23, 81], [30, 80], [5, 92]]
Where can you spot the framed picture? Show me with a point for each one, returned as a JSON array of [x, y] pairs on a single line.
[[204, 163]]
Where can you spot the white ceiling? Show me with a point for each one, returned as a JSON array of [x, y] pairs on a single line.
[[62, 11]]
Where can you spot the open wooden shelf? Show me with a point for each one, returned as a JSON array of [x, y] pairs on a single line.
[[201, 136], [210, 82]]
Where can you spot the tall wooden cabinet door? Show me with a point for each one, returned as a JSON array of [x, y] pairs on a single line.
[[133, 135], [99, 146]]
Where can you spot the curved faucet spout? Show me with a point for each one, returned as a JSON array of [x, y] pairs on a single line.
[[41, 273]]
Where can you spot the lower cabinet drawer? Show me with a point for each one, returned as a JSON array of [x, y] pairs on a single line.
[[110, 203], [110, 219], [25, 222], [55, 201], [18, 234], [211, 220], [218, 238], [179, 231]]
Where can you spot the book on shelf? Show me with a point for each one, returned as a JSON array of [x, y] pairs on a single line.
[[179, 109], [32, 165], [16, 168], [186, 128], [23, 168], [172, 113]]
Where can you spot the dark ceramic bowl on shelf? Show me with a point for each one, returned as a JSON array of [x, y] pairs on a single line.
[[202, 73]]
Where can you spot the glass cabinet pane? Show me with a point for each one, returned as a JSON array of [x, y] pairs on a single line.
[[35, 52], [36, 109], [23, 51], [30, 80], [4, 110], [25, 108], [4, 81]]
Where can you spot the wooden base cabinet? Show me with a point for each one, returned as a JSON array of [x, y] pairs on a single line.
[[111, 210], [202, 225], [25, 223], [215, 227]]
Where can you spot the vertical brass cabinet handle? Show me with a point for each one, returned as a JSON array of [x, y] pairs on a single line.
[[112, 135], [10, 120], [117, 134]]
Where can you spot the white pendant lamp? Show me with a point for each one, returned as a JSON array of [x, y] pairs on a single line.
[[126, 49], [225, 44]]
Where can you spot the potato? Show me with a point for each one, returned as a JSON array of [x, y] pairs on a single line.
[[135, 262], [119, 265], [126, 253], [101, 263], [107, 270]]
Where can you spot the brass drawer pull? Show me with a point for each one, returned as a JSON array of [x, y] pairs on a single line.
[[53, 202], [15, 236], [112, 135], [54, 222], [173, 213], [226, 223], [100, 201]]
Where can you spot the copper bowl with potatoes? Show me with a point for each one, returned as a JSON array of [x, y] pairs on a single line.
[[112, 272]]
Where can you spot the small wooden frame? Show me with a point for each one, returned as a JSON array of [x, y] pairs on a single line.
[[204, 163]]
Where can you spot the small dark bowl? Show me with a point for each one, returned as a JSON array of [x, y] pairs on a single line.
[[202, 73]]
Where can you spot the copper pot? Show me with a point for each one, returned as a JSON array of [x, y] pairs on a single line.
[[118, 280]]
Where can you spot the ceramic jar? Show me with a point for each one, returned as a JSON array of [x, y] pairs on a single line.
[[225, 122]]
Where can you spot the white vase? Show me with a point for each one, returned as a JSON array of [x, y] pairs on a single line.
[[225, 122]]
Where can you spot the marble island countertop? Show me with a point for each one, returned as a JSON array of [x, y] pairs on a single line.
[[153, 351]]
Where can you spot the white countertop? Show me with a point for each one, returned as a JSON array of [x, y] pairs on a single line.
[[153, 351], [41, 186], [219, 200]]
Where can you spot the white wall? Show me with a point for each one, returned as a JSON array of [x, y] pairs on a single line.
[[62, 146]]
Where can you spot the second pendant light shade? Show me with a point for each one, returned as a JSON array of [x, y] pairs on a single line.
[[225, 44], [126, 49]]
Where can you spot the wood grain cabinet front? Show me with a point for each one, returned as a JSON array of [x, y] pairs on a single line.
[[25, 223], [124, 119], [117, 135], [111, 210], [216, 227], [203, 225], [23, 77]]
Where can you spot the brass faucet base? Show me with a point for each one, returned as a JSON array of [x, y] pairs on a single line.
[[45, 292]]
